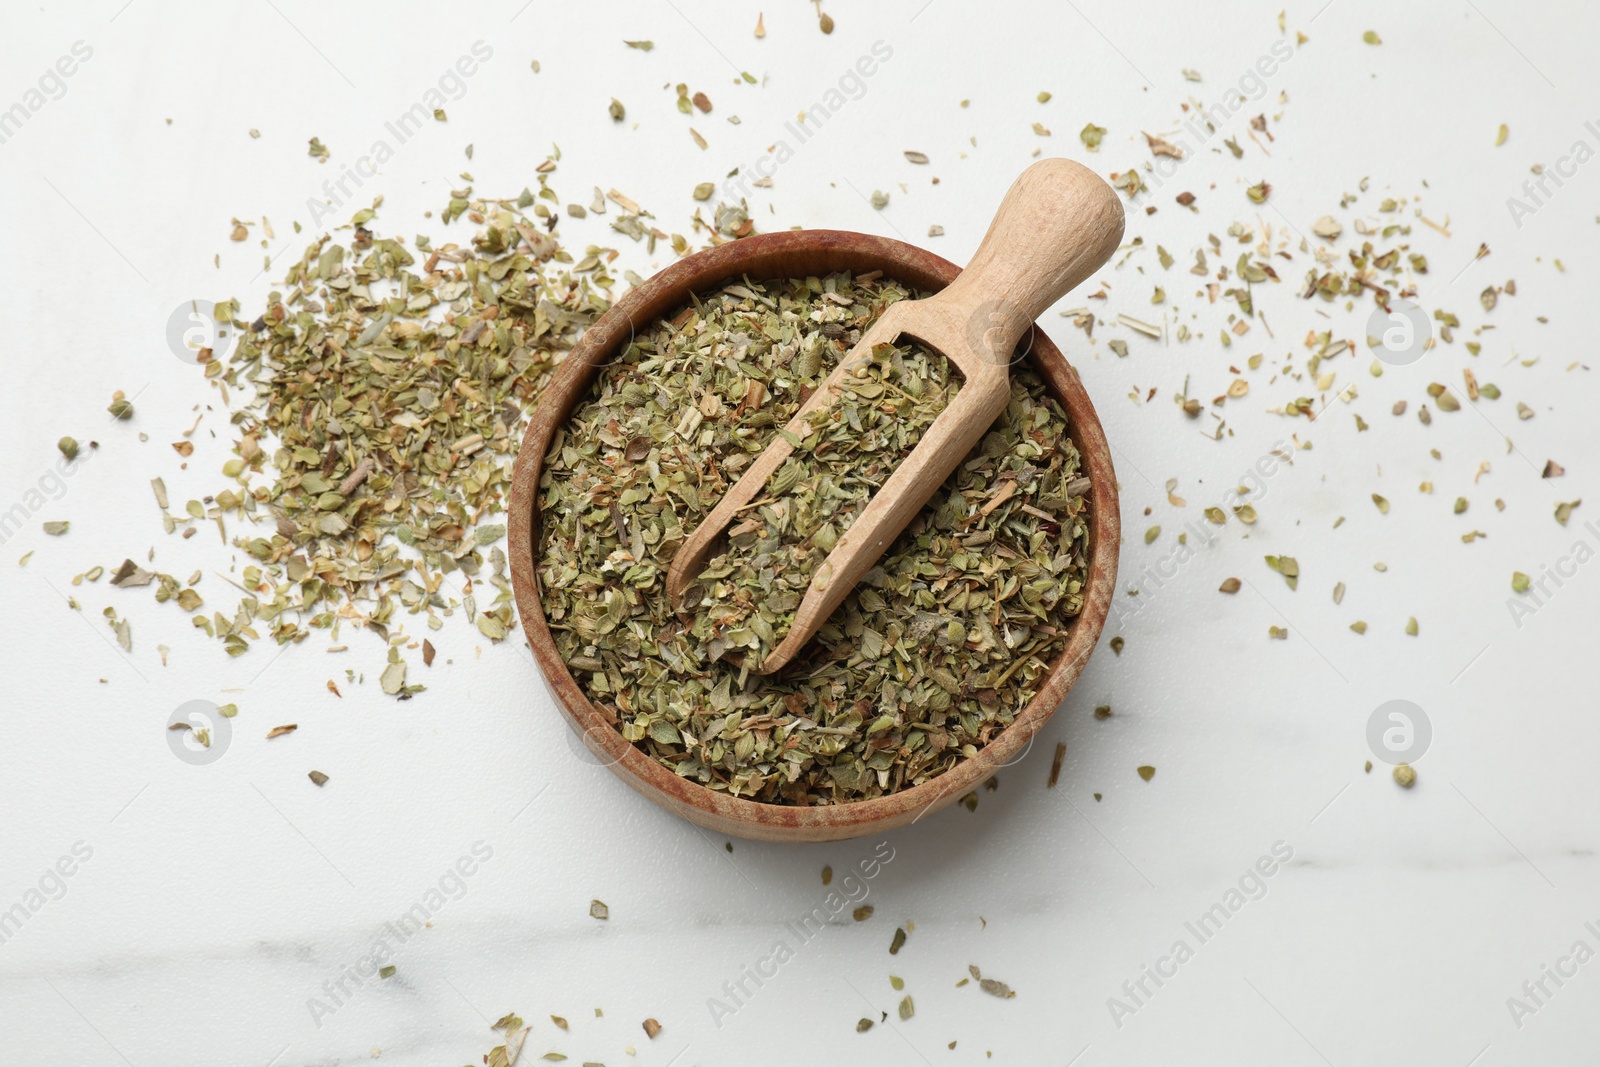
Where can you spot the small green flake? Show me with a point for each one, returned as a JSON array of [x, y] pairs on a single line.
[[393, 679], [996, 988], [1287, 566]]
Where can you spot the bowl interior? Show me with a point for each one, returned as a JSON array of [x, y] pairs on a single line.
[[791, 254]]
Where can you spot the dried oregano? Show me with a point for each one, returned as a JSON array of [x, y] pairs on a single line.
[[387, 386], [934, 653]]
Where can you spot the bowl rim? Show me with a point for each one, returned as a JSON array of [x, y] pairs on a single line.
[[785, 254]]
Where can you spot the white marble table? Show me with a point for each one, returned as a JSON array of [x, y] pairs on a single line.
[[227, 914]]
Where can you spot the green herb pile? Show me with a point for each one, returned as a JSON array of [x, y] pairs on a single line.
[[936, 651], [388, 388]]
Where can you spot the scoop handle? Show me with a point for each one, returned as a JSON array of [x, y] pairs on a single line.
[[1059, 222]]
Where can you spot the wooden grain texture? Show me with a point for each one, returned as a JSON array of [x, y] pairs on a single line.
[[785, 255], [1057, 224]]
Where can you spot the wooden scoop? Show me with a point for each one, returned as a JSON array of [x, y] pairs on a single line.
[[1057, 225]]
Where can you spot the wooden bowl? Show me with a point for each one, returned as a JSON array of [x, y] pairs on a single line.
[[799, 253]]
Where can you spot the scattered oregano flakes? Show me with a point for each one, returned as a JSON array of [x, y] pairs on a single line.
[[386, 391]]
